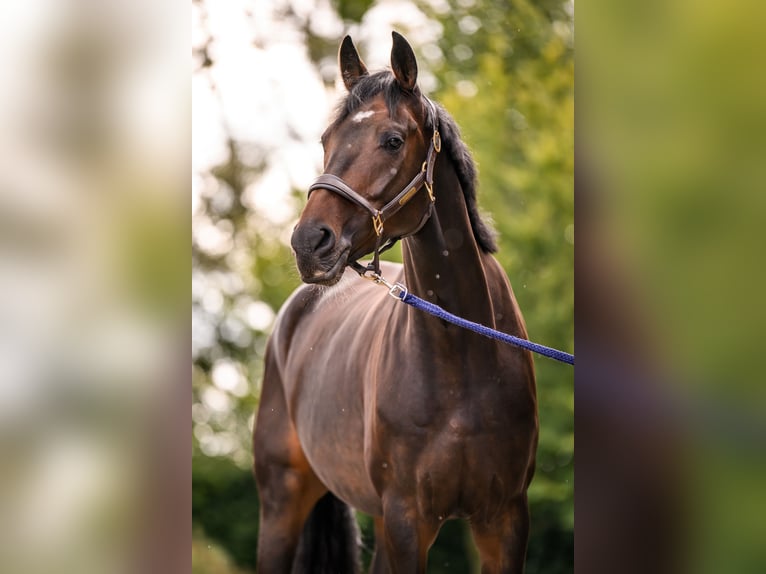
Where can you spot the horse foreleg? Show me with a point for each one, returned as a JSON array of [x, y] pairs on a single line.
[[380, 558], [287, 487], [502, 542], [285, 505], [407, 537]]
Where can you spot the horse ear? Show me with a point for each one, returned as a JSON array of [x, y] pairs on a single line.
[[351, 66], [403, 63]]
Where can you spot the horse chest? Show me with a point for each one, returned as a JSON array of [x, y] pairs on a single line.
[[455, 395], [449, 408], [459, 462], [454, 433]]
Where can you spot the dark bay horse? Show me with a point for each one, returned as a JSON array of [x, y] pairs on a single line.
[[368, 403]]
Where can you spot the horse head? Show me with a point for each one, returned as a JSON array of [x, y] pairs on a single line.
[[379, 152]]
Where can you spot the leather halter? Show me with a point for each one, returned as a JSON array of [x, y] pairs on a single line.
[[424, 178]]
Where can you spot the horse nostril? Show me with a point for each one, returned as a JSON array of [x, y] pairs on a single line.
[[320, 239], [326, 239], [313, 239]]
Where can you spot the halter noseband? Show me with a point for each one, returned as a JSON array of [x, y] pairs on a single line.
[[424, 178]]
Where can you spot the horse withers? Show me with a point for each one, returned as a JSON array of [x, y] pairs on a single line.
[[374, 405]]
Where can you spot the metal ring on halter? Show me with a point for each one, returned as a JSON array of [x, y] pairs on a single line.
[[437, 139]]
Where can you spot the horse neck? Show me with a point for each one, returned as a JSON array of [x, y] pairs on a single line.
[[443, 262]]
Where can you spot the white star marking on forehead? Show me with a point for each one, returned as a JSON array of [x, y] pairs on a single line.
[[362, 116]]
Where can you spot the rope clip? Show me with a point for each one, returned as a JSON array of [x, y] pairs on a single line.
[[397, 290]]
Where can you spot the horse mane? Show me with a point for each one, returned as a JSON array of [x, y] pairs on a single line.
[[383, 83]]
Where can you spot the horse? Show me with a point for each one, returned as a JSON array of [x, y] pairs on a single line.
[[371, 405]]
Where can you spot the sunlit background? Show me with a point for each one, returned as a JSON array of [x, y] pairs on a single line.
[[264, 88], [94, 138]]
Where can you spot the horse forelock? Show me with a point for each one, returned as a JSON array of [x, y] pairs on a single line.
[[384, 83], [366, 88]]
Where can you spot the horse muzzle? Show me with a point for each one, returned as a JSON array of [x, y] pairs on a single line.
[[320, 256]]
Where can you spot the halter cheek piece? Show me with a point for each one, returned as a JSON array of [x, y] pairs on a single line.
[[424, 178]]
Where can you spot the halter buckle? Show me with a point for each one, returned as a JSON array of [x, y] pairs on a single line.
[[430, 190], [377, 224]]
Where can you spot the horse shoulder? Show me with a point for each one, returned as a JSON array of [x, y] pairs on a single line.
[[508, 315], [508, 319], [294, 309]]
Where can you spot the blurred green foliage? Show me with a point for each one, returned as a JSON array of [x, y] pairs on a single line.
[[225, 504], [505, 71], [675, 132], [352, 10]]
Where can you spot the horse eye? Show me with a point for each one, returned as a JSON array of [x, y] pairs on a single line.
[[394, 143]]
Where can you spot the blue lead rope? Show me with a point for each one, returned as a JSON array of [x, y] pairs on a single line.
[[398, 291]]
